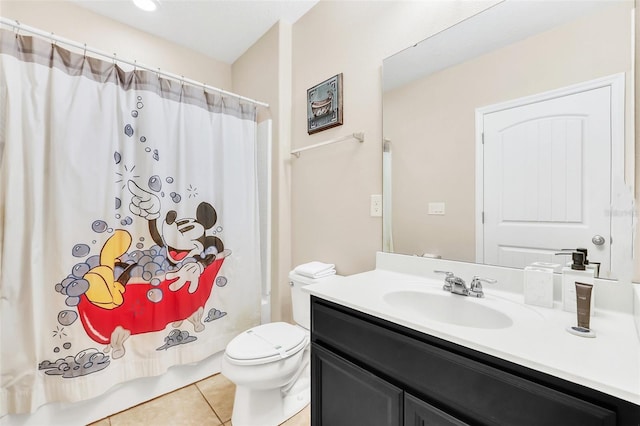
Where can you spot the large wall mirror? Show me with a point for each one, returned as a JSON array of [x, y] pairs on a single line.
[[510, 136]]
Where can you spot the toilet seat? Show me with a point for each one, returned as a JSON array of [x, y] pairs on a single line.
[[266, 343]]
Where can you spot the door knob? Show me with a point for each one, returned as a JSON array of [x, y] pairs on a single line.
[[597, 240]]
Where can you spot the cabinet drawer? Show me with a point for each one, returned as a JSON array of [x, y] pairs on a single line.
[[469, 390]]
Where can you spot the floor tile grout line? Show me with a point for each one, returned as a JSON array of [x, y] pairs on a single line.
[[147, 401], [108, 418], [209, 404]]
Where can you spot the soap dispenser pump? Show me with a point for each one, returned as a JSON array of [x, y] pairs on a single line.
[[577, 271], [578, 260], [587, 264]]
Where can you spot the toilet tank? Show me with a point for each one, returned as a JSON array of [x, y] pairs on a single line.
[[301, 300]]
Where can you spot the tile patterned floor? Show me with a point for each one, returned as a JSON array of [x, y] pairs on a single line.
[[206, 403]]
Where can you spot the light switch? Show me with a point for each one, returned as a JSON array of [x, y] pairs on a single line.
[[436, 208]]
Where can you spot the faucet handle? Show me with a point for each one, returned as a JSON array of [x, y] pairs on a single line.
[[476, 285], [448, 279], [484, 280]]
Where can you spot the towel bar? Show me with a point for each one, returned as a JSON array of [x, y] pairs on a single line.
[[359, 136]]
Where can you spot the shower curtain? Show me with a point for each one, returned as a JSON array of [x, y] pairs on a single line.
[[129, 228]]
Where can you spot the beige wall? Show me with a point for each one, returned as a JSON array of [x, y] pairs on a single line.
[[431, 122], [264, 73], [331, 186], [72, 22]]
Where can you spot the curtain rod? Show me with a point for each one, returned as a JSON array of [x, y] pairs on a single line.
[[16, 25], [359, 136]]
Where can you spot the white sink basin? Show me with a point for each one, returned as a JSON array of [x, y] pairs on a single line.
[[448, 308]]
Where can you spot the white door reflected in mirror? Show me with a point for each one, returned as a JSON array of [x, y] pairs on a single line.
[[547, 176]]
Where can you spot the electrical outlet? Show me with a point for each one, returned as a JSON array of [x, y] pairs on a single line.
[[436, 208], [376, 205]]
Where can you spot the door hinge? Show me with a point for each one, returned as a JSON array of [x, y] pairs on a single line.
[[483, 217], [482, 138]]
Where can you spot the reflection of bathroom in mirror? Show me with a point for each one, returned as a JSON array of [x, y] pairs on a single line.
[[549, 86]]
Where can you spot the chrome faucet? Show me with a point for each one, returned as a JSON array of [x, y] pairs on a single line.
[[456, 285], [453, 284]]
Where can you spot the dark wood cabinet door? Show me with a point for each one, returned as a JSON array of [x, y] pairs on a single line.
[[419, 413], [344, 394]]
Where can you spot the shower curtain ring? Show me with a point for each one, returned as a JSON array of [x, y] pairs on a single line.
[[53, 41], [135, 65], [158, 73], [114, 59], [85, 50]]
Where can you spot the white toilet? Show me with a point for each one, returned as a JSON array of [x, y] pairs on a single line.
[[270, 365]]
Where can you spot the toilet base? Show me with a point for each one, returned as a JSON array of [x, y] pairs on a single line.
[[254, 407], [298, 397]]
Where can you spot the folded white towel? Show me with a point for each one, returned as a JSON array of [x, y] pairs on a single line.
[[326, 273], [316, 269]]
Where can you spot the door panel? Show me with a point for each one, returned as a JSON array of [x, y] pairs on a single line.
[[547, 174], [346, 395]]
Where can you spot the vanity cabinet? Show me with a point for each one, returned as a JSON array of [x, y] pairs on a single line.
[[368, 371]]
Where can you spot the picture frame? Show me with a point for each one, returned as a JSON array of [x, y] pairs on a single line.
[[324, 105]]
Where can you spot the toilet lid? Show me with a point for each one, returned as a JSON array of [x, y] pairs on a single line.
[[266, 343]]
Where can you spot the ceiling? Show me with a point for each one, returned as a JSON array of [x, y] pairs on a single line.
[[221, 29], [496, 27]]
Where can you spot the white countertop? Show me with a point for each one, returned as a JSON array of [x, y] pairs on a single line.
[[610, 362]]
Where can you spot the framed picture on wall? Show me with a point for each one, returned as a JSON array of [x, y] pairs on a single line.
[[324, 105]]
